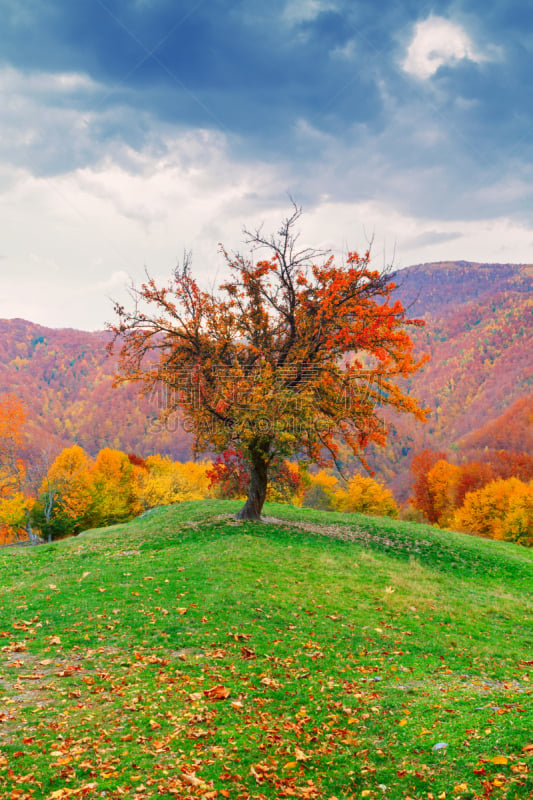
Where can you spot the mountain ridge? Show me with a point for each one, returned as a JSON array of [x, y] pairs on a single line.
[[479, 323]]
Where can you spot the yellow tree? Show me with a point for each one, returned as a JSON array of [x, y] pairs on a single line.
[[442, 482], [366, 496], [66, 493], [319, 489], [113, 489], [518, 523], [502, 509], [259, 365], [166, 481]]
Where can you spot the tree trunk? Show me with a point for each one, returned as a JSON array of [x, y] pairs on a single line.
[[258, 486], [29, 530]]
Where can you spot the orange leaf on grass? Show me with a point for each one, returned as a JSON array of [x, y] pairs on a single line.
[[218, 692], [499, 760]]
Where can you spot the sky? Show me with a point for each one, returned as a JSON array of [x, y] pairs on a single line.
[[132, 131]]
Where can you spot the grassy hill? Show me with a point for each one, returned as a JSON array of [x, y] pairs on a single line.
[[319, 655]]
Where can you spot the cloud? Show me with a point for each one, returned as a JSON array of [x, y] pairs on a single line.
[[131, 133], [431, 238], [438, 42], [297, 11], [117, 280]]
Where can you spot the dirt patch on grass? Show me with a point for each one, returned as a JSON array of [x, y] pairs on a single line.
[[351, 534]]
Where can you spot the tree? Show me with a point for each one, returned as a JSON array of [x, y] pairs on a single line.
[[164, 481], [113, 488], [66, 495], [260, 364], [229, 476], [442, 481], [422, 498], [319, 490], [364, 495], [12, 467], [15, 505], [502, 509]]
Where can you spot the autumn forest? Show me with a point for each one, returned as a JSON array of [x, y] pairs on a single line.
[[78, 451]]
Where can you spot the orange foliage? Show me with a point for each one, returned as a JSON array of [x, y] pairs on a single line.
[[442, 482], [479, 325], [481, 498], [510, 431], [473, 476], [260, 366], [422, 498], [14, 505], [12, 468], [503, 509]]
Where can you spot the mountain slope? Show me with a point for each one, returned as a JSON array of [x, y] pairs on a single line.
[[478, 332], [65, 378]]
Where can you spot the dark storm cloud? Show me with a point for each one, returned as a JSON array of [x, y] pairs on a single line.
[[245, 66], [258, 72]]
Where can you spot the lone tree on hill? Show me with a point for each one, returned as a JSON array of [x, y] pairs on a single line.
[[291, 355]]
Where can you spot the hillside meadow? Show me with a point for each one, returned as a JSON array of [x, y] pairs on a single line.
[[315, 655]]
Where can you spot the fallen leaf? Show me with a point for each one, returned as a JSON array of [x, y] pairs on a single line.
[[191, 779], [217, 692], [500, 760], [16, 647], [266, 681]]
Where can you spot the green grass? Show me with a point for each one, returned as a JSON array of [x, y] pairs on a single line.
[[344, 650]]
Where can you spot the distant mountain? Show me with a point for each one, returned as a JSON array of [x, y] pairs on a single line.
[[478, 332], [65, 378], [511, 431]]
